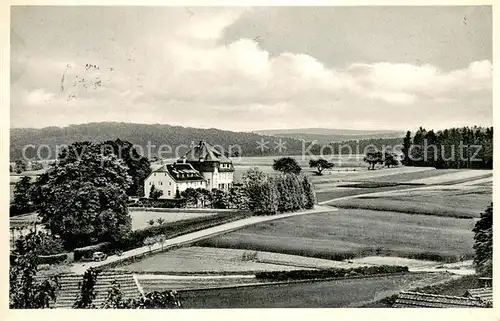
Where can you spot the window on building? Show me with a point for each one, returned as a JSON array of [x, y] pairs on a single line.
[[168, 193], [169, 183]]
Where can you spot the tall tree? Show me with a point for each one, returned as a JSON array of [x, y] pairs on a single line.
[[406, 149], [20, 166], [82, 199], [373, 158], [390, 159], [310, 198], [25, 292], [155, 193], [87, 294], [483, 243], [22, 203], [320, 165], [139, 167], [191, 195]]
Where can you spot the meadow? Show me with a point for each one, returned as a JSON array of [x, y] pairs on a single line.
[[460, 202], [217, 260], [140, 218], [349, 233], [200, 260], [324, 294]]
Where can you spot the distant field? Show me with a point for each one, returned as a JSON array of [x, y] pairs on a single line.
[[457, 176], [467, 203], [325, 294], [363, 174], [412, 176], [336, 192], [355, 233], [343, 160]]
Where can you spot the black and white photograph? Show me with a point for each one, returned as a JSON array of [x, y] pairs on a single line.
[[250, 157]]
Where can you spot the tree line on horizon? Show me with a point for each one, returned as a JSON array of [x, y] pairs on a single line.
[[466, 147]]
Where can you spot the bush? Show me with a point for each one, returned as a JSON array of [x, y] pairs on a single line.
[[330, 273], [49, 245], [45, 259], [87, 251], [161, 203], [53, 259]]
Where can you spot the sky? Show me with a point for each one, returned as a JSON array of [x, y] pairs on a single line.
[[249, 68]]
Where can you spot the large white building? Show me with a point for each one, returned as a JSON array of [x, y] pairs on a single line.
[[201, 167]]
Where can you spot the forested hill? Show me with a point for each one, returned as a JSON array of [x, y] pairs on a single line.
[[142, 134], [157, 135]]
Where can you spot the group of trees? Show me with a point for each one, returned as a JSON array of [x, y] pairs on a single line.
[[268, 195], [375, 157], [234, 198], [467, 147], [82, 197]]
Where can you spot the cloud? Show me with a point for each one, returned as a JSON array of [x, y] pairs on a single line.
[[187, 65]]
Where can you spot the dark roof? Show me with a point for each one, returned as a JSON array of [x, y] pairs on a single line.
[[425, 300], [485, 294], [206, 152], [183, 172]]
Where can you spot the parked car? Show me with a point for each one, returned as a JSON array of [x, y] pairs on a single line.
[[99, 256]]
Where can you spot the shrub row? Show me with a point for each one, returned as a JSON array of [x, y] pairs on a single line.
[[87, 251], [45, 259], [330, 273], [53, 259], [161, 203]]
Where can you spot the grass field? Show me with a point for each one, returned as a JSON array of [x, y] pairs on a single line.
[[326, 195], [140, 218], [161, 283], [199, 259], [349, 233], [460, 203], [324, 294], [206, 259]]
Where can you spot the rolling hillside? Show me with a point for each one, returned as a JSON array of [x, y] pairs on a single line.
[[142, 135], [172, 137]]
